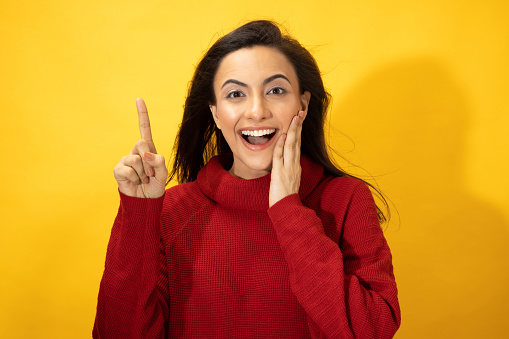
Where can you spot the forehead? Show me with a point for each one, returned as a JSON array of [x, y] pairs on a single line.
[[254, 63]]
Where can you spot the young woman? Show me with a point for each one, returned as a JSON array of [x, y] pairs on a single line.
[[264, 237]]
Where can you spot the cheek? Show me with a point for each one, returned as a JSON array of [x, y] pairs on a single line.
[[228, 116], [285, 114]]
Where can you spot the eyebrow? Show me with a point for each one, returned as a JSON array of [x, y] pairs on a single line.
[[233, 81], [274, 77], [266, 81]]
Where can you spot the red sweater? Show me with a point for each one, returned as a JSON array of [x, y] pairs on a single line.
[[210, 259]]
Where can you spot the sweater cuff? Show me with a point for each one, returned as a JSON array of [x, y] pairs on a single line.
[[283, 207], [141, 206]]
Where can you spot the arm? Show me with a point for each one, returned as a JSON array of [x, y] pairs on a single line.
[[133, 295], [347, 288]]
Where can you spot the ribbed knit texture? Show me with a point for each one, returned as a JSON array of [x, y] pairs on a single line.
[[211, 260]]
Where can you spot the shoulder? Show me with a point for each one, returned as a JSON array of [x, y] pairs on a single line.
[[342, 202], [346, 207], [342, 190], [181, 203], [354, 199], [182, 200], [187, 194]]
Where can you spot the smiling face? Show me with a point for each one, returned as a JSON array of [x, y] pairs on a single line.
[[257, 95]]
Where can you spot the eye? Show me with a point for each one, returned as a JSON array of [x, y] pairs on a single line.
[[234, 95], [277, 91]]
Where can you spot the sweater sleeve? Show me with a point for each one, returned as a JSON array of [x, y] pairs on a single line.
[[133, 294], [347, 288]]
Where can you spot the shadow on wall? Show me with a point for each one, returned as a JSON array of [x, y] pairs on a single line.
[[451, 249]]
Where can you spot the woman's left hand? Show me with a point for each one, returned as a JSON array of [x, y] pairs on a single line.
[[286, 170]]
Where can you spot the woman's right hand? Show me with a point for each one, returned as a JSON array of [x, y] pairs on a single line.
[[143, 172]]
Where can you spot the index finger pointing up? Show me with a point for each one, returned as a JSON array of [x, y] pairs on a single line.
[[144, 123]]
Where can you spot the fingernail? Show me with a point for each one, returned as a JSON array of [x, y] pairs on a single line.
[[150, 172], [146, 180], [148, 156], [301, 114]]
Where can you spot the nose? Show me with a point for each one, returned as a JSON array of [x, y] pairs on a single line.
[[257, 109]]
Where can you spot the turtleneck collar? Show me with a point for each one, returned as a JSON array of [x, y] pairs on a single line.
[[219, 185]]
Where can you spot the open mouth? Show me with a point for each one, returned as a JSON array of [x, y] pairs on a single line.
[[258, 137]]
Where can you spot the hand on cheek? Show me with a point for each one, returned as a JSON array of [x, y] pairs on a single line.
[[286, 170]]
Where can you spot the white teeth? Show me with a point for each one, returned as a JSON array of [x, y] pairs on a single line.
[[258, 133]]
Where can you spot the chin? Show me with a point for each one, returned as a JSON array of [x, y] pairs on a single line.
[[265, 167], [260, 165], [254, 167]]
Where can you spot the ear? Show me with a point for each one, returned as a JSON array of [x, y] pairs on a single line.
[[213, 110], [304, 102]]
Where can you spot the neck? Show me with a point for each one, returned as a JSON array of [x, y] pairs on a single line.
[[226, 189], [247, 173]]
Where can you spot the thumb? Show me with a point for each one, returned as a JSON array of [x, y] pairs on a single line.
[[158, 164]]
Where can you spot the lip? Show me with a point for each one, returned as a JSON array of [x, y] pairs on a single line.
[[256, 148]]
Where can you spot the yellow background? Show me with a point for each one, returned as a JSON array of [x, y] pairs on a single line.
[[420, 102]]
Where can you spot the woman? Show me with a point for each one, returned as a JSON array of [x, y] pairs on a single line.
[[264, 237]]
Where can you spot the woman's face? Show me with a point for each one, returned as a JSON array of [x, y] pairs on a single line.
[[257, 95]]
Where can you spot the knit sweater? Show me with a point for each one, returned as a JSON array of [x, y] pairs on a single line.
[[210, 259]]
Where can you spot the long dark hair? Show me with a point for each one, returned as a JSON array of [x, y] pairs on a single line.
[[199, 139]]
